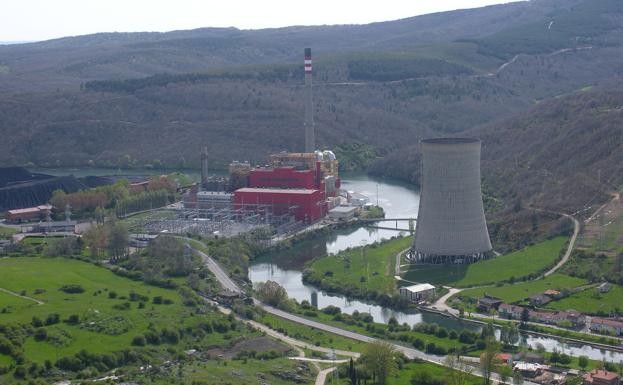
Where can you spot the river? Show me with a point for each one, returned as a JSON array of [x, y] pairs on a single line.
[[398, 200]]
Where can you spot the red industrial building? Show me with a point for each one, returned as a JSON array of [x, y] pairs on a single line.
[[284, 177], [306, 205], [28, 214]]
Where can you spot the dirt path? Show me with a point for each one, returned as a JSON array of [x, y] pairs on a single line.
[[21, 296]]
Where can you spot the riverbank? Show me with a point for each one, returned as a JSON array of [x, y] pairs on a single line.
[[365, 272]]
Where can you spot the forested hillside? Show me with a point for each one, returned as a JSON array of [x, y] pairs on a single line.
[[153, 99]]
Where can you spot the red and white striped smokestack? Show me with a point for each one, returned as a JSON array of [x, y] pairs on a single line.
[[310, 135]]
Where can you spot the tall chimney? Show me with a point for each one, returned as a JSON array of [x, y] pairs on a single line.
[[310, 135], [204, 167]]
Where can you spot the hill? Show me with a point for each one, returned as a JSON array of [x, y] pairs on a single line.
[[67, 62], [565, 154]]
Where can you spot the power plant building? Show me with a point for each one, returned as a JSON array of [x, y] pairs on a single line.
[[451, 226]]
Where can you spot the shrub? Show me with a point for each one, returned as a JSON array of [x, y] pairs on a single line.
[[52, 319], [112, 295], [72, 289], [139, 340], [41, 334], [157, 300], [73, 319]]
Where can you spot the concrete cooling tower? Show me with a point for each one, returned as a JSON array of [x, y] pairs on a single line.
[[451, 226]]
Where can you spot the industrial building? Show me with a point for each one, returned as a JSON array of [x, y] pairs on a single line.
[[451, 225], [301, 186]]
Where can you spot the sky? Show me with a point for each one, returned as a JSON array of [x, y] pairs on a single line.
[[29, 20]]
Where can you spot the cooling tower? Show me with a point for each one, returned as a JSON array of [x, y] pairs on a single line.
[[451, 225]]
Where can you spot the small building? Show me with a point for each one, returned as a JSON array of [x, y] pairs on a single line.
[[604, 287], [418, 293], [4, 243], [141, 240], [55, 227], [510, 311], [29, 214], [505, 358], [540, 299], [343, 213], [601, 377], [486, 303], [530, 357], [606, 326], [527, 369], [552, 293]]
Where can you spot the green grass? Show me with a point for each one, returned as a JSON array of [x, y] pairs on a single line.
[[530, 260], [41, 278], [370, 268], [592, 302], [311, 336], [438, 372], [520, 291], [216, 372]]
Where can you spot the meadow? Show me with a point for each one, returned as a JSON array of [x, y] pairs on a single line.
[[370, 268], [513, 266], [109, 310], [523, 290], [592, 302]]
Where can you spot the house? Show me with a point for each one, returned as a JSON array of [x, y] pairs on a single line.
[[505, 358], [486, 303], [418, 293], [606, 326], [547, 317], [539, 299], [510, 311], [601, 377], [528, 369], [604, 287], [530, 357], [576, 318], [29, 214], [552, 293]]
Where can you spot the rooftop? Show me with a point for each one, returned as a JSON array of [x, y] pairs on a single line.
[[601, 374], [276, 190], [343, 209], [419, 287]]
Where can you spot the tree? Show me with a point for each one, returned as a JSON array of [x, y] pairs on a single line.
[[525, 316], [517, 378], [513, 335], [95, 238], [272, 293], [488, 360], [583, 362], [379, 357], [118, 239], [505, 373], [459, 372]]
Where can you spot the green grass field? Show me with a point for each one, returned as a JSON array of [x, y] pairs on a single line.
[[437, 372], [518, 264], [41, 278], [371, 268], [592, 302], [519, 291], [231, 372]]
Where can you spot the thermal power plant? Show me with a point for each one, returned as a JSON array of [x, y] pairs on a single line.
[[310, 134], [451, 226]]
